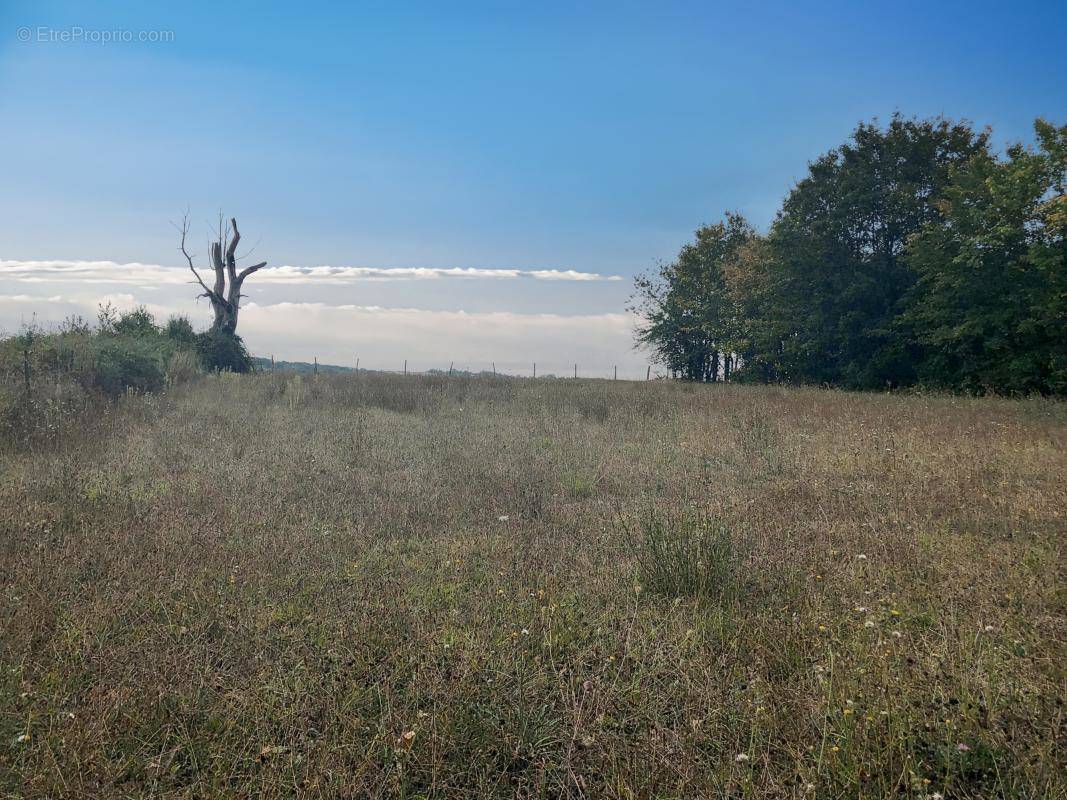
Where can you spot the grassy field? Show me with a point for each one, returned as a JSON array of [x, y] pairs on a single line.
[[358, 586]]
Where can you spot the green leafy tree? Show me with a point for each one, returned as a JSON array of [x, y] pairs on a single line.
[[690, 322], [836, 272], [990, 308]]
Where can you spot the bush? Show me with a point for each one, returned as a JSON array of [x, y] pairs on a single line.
[[180, 331], [137, 323], [222, 352], [122, 363], [688, 555]]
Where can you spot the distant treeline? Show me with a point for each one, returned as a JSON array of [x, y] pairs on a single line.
[[912, 255]]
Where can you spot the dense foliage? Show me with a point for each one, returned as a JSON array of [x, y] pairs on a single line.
[[45, 376], [910, 255]]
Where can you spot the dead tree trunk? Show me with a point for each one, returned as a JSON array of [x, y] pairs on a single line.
[[225, 295]]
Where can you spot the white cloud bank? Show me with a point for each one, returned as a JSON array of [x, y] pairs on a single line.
[[137, 274]]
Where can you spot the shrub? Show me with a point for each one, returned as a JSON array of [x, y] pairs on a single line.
[[137, 322], [126, 362], [686, 554], [222, 352], [180, 331]]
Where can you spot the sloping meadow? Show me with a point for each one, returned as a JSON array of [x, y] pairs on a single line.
[[379, 585]]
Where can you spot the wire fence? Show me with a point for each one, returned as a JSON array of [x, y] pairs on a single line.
[[551, 370]]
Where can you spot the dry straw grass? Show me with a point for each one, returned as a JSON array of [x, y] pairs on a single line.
[[423, 587]]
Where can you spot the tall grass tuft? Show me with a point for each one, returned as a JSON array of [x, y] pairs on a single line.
[[688, 554]]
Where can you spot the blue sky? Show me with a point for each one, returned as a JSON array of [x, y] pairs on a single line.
[[529, 136]]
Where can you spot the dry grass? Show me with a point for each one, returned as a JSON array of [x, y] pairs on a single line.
[[423, 587]]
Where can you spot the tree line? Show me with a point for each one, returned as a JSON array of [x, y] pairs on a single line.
[[911, 255]]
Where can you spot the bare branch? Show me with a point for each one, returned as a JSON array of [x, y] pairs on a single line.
[[232, 248], [249, 270], [185, 232]]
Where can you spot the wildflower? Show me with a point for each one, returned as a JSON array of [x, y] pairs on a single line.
[[503, 518], [741, 757]]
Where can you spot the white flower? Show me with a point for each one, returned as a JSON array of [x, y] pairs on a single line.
[[503, 518], [741, 757]]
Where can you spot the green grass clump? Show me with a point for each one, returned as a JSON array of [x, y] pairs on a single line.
[[687, 554]]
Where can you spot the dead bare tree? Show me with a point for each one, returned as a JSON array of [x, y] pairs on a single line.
[[225, 295]]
